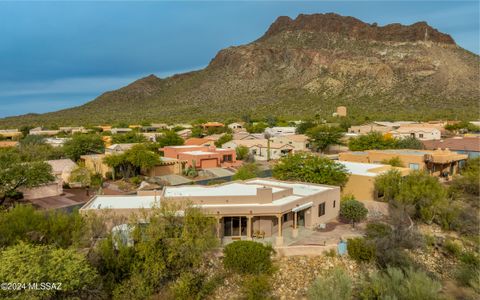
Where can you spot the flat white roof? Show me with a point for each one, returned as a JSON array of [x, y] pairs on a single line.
[[233, 189], [356, 168], [184, 146], [302, 189], [127, 201], [198, 152]]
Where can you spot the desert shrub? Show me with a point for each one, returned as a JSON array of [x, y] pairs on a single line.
[[256, 287], [394, 283], [247, 171], [331, 253], [361, 249], [453, 247], [377, 230], [27, 263], [335, 284], [136, 180], [248, 257], [353, 211], [193, 286], [468, 271]]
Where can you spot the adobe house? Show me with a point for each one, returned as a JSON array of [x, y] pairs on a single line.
[[436, 162], [261, 149], [361, 179], [241, 208], [202, 157]]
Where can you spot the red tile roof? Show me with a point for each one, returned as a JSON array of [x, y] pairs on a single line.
[[456, 144]]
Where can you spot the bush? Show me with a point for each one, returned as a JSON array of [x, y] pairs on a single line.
[[468, 271], [453, 247], [336, 284], [136, 180], [361, 249], [248, 257], [353, 211], [193, 286], [256, 287], [393, 283], [378, 230]]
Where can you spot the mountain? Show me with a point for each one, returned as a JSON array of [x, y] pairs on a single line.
[[304, 67]]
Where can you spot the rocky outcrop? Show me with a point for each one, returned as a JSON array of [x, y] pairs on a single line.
[[354, 28]]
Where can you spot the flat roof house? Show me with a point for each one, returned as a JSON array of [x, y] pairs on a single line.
[[361, 180], [10, 134], [422, 133], [276, 131], [202, 157], [437, 162], [260, 149], [241, 207]]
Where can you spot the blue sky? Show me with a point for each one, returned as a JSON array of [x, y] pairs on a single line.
[[56, 55]]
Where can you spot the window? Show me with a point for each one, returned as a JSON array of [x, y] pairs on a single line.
[[420, 135], [321, 209], [227, 157], [413, 166], [334, 203]]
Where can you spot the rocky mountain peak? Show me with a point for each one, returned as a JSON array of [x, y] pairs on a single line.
[[356, 29]]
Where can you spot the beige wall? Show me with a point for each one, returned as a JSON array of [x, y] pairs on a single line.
[[47, 190], [361, 187], [165, 170]]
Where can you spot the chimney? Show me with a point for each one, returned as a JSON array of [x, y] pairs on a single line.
[[264, 194]]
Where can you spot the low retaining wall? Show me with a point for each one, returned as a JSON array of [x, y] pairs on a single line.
[[304, 250]]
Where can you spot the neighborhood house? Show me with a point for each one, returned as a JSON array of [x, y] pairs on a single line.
[[242, 209]]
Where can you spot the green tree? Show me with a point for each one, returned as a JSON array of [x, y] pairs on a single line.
[[132, 161], [424, 192], [417, 192], [387, 185], [408, 143], [166, 248], [128, 138], [468, 182], [372, 140], [82, 144], [323, 136], [247, 171], [170, 138], [334, 284], [15, 174], [32, 140], [197, 131], [303, 127], [394, 162], [227, 137], [256, 128], [24, 263], [58, 228], [81, 175], [353, 211], [310, 168], [242, 152]]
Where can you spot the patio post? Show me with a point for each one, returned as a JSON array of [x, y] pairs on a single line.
[[249, 228], [279, 239], [295, 226], [218, 226]]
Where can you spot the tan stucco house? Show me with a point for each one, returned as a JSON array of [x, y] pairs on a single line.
[[361, 180], [436, 162], [241, 208]]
